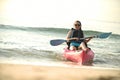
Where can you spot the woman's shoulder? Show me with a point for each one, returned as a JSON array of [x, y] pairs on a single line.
[[72, 29]]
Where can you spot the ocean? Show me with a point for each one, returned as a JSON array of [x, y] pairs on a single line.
[[31, 45]]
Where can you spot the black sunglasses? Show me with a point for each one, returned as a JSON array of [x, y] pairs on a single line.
[[77, 24]]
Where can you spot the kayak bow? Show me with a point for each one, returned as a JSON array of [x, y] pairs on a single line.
[[79, 57]]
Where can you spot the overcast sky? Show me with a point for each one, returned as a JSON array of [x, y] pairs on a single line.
[[59, 12]]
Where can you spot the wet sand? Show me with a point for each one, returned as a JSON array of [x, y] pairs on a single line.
[[33, 72]]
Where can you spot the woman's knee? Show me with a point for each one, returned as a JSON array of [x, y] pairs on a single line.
[[72, 48], [83, 46]]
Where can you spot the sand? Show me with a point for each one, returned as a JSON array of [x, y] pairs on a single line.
[[34, 72]]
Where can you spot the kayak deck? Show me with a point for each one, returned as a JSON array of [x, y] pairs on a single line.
[[79, 57]]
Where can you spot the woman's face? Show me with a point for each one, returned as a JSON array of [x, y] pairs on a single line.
[[77, 25]]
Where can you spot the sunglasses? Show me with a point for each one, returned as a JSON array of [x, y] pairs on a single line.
[[77, 24]]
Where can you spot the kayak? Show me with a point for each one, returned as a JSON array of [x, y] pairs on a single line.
[[79, 56]]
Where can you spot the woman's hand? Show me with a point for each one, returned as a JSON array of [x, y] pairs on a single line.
[[87, 40], [75, 38]]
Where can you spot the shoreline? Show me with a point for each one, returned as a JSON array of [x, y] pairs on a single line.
[[38, 72], [66, 64]]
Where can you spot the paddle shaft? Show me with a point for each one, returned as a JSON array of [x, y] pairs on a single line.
[[60, 41]]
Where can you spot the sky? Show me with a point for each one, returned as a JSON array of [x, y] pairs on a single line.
[[94, 14]]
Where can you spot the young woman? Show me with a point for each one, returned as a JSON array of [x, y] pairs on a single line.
[[73, 38]]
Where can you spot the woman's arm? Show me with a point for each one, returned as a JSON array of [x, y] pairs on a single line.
[[87, 40], [68, 35]]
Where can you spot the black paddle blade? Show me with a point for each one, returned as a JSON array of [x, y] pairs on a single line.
[[104, 35], [57, 42]]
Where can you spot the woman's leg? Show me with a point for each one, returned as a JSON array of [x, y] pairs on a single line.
[[83, 46], [73, 48]]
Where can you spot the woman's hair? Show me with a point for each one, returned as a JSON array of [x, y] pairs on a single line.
[[77, 21]]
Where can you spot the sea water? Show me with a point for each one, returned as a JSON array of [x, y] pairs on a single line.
[[30, 45]]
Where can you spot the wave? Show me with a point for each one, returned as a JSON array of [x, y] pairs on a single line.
[[52, 30], [30, 54]]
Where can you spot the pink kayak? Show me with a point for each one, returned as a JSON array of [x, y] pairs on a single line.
[[79, 57]]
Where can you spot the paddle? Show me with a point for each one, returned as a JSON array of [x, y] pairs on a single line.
[[56, 42]]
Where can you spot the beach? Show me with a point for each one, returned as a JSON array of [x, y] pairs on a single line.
[[37, 72]]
